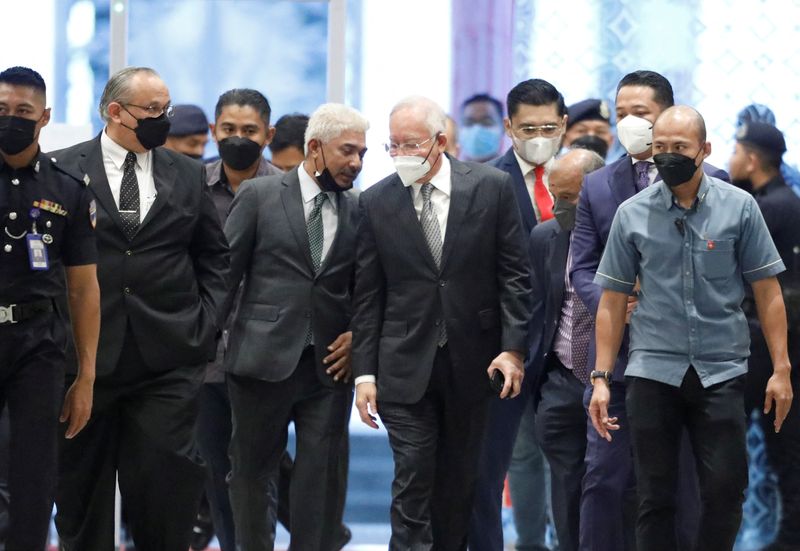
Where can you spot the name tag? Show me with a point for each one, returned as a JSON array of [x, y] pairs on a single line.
[[37, 252]]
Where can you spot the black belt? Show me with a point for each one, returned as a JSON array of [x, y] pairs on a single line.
[[14, 313]]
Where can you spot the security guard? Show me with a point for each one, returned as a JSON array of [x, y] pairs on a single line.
[[756, 165], [47, 253]]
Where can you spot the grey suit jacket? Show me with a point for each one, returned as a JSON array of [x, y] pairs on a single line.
[[266, 229], [481, 292]]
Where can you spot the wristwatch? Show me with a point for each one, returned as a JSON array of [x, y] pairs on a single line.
[[600, 375]]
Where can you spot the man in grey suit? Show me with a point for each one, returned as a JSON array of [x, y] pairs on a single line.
[[441, 304], [292, 238]]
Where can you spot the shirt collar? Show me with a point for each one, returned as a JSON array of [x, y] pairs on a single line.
[[309, 188], [117, 153], [527, 167], [668, 199], [440, 180]]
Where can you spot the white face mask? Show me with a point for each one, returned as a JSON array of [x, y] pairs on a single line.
[[411, 168], [635, 134], [537, 151]]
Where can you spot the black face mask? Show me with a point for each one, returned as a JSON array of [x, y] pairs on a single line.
[[325, 179], [239, 153], [193, 156], [564, 212], [16, 134], [151, 132], [675, 169]]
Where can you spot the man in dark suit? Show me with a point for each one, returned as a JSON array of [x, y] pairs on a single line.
[[441, 300], [537, 118], [293, 239], [163, 264], [561, 327], [608, 501]]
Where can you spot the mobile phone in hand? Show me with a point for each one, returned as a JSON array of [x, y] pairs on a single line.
[[498, 381]]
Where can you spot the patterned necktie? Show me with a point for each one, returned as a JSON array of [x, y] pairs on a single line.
[[430, 224], [581, 335], [129, 196], [642, 174], [316, 235], [433, 235], [544, 201]]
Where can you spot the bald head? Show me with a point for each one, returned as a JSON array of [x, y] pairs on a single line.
[[566, 176], [681, 117]]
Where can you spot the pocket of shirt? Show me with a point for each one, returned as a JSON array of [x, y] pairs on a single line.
[[715, 258]]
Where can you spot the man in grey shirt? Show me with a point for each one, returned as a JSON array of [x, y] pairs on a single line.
[[690, 242]]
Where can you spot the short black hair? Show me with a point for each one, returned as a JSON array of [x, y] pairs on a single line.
[[290, 131], [244, 96], [534, 91], [23, 76], [769, 161], [479, 98], [662, 89]]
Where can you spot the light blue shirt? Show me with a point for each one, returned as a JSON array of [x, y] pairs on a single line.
[[692, 265]]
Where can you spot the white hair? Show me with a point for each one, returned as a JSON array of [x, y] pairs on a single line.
[[433, 116], [331, 120]]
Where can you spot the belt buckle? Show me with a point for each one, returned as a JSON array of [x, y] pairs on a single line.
[[7, 314]]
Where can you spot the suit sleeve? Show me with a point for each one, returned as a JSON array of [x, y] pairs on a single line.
[[587, 248], [538, 254], [210, 254], [368, 297], [240, 230], [513, 271]]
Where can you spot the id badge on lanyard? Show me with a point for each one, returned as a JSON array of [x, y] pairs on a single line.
[[37, 250]]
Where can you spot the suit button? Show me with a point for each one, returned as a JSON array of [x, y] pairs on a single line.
[[127, 290], [128, 252], [442, 283], [437, 323], [308, 313]]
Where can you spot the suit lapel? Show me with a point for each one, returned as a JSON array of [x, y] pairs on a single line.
[[558, 267], [91, 164], [401, 204], [461, 191], [164, 174], [342, 216], [293, 206], [511, 166], [622, 181]]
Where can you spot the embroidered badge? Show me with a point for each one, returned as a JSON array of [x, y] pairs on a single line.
[[93, 213]]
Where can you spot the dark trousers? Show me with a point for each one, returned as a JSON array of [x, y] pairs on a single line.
[[142, 433], [31, 385], [715, 420], [783, 448], [262, 412], [436, 444], [561, 432], [486, 526]]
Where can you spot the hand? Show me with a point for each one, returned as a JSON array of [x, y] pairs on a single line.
[[77, 406], [633, 300], [366, 394], [598, 410], [510, 364], [779, 390], [340, 357]]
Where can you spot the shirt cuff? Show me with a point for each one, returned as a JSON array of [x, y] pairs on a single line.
[[365, 379], [769, 270], [613, 284]]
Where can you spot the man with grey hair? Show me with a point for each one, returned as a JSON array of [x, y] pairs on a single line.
[[441, 308], [293, 239], [162, 268], [561, 327]]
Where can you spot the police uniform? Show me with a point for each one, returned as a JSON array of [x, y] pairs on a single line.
[[48, 212]]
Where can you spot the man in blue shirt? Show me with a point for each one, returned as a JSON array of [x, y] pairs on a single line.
[[690, 241]]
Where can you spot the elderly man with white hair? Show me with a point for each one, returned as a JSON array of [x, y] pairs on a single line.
[[293, 239], [441, 309]]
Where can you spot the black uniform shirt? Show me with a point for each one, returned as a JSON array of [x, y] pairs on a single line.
[[65, 222], [781, 209]]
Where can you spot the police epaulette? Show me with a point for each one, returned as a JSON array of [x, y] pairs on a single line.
[[82, 179]]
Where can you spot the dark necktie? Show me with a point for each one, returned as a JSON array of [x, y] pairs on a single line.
[[581, 335], [316, 234], [433, 235], [642, 174], [129, 196]]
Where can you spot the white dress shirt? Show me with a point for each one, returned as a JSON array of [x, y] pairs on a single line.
[[527, 170], [309, 190], [114, 162], [440, 201]]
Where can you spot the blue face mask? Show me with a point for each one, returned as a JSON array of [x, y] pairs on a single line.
[[480, 142]]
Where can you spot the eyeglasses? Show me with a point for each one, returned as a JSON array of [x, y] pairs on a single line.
[[546, 130], [407, 148], [154, 110]]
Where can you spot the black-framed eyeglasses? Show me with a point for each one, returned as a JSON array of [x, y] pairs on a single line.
[[154, 111]]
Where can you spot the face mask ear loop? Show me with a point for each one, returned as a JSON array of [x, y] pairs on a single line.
[[436, 137]]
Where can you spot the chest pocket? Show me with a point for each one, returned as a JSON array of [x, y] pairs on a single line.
[[715, 259]]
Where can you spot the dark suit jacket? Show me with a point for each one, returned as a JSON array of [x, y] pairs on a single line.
[[508, 163], [267, 231], [169, 282], [481, 292], [549, 247], [604, 190]]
